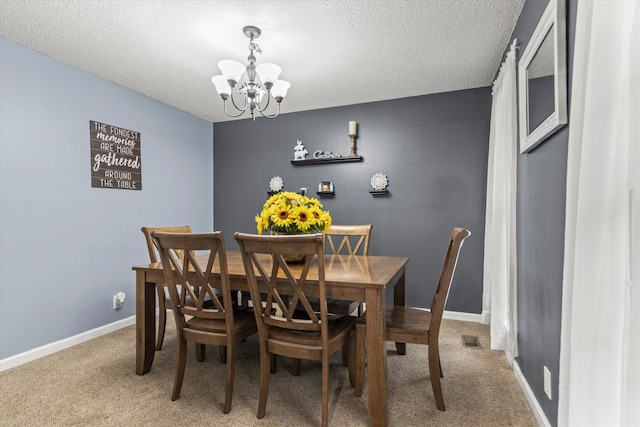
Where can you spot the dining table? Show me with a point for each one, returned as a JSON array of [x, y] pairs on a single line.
[[353, 278]]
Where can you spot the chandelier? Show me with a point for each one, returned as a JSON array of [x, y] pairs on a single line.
[[259, 86]]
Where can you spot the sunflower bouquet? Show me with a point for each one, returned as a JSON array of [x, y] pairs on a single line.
[[292, 213]]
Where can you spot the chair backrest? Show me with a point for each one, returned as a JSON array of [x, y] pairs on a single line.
[[154, 256], [446, 277], [198, 274], [353, 238], [286, 283]]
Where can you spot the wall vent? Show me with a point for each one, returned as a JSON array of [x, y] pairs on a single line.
[[470, 341]]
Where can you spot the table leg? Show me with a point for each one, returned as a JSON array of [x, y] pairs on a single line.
[[145, 323], [376, 357], [399, 299]]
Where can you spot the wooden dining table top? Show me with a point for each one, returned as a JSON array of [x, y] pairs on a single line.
[[364, 269], [340, 270]]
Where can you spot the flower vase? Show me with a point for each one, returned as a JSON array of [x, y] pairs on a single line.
[[294, 258]]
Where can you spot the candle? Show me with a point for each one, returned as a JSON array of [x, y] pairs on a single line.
[[352, 128]]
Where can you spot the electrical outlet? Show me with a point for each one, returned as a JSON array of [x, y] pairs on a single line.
[[547, 382], [118, 299]]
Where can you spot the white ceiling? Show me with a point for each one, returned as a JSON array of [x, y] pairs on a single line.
[[332, 52]]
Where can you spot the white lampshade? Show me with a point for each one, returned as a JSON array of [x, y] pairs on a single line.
[[231, 70], [268, 72], [222, 86], [280, 88]]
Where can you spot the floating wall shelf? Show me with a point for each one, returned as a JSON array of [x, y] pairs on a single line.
[[326, 193], [346, 159]]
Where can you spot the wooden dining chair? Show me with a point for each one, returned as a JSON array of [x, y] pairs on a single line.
[[342, 240], [416, 325], [164, 302], [347, 240], [286, 286], [221, 325]]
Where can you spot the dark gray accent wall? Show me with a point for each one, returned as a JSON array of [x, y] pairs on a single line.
[[540, 236], [432, 148]]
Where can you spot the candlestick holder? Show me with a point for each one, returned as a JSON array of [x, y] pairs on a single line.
[[353, 145]]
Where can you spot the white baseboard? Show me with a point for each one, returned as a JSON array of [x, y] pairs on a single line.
[[486, 317], [528, 393], [465, 317], [45, 350]]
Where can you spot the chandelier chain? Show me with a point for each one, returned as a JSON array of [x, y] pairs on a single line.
[[254, 46]]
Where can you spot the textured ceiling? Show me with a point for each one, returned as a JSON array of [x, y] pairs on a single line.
[[332, 52]]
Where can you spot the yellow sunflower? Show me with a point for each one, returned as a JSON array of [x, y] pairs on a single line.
[[304, 218], [282, 216], [259, 224]]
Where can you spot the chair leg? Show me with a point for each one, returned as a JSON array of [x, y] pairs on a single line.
[[274, 363], [200, 352], [181, 363], [295, 366], [345, 354], [352, 360], [265, 372], [325, 389], [222, 352], [162, 316], [359, 356], [434, 372], [401, 348], [231, 365]]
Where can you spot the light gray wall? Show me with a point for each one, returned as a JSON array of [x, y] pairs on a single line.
[[66, 248], [432, 148]]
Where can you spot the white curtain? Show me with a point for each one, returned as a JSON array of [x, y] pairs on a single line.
[[600, 338], [499, 281]]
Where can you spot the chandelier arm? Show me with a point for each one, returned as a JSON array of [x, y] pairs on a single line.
[[241, 112], [261, 109], [233, 101], [268, 116]]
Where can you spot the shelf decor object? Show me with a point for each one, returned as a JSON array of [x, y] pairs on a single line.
[[276, 185], [379, 182], [260, 83], [325, 188], [353, 133], [299, 152]]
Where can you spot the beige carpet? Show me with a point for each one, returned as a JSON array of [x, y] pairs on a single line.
[[94, 384]]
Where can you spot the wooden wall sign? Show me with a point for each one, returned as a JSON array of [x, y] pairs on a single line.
[[115, 157]]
